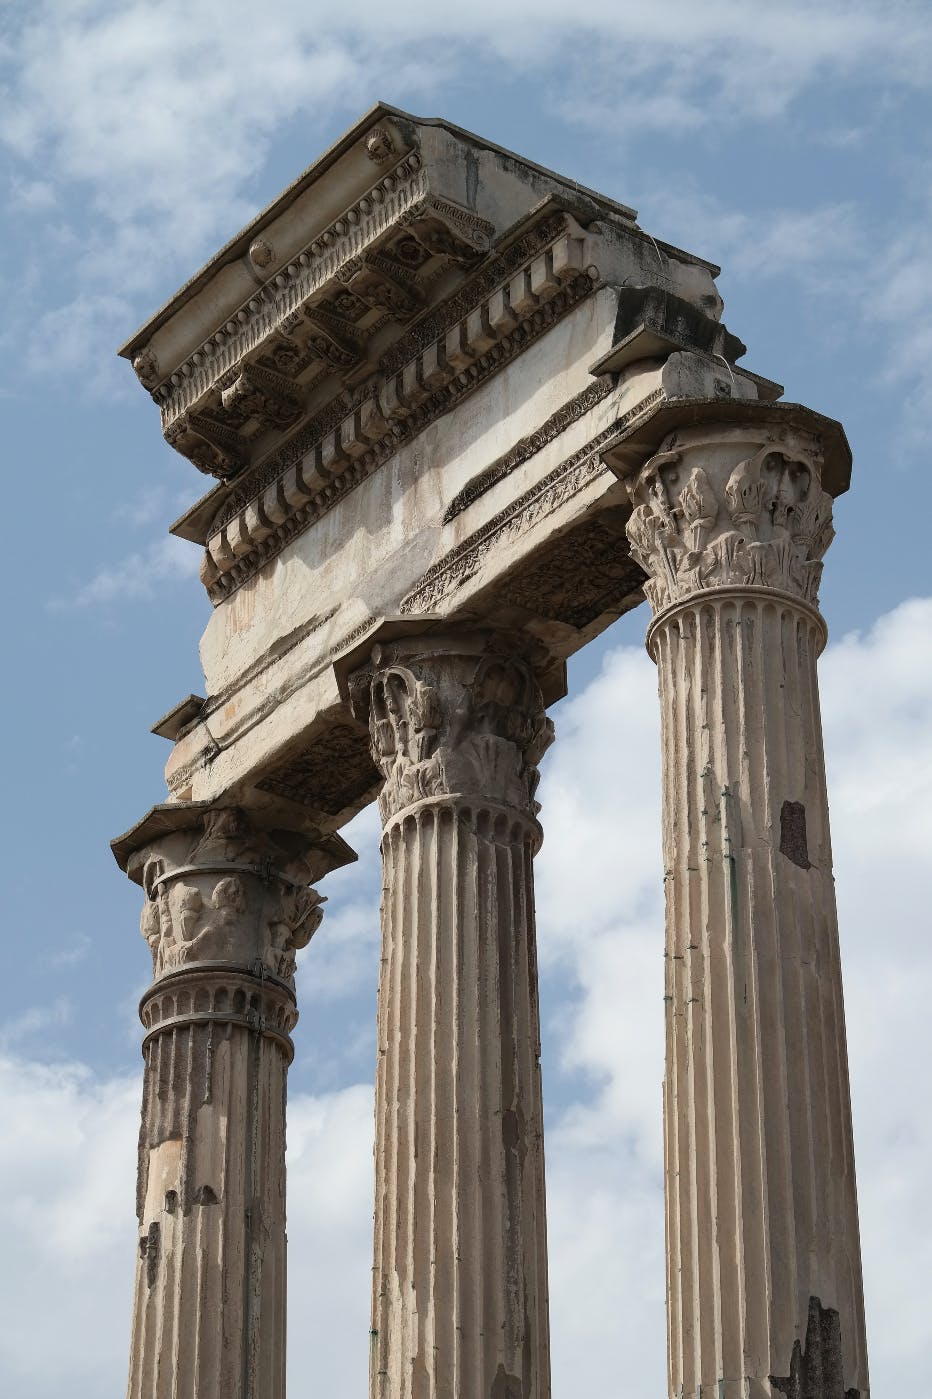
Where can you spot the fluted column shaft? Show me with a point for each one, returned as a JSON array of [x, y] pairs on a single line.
[[460, 1272], [223, 924], [763, 1261]]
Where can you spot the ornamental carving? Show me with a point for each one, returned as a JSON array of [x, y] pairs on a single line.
[[221, 894], [461, 564], [456, 720], [146, 367], [254, 392], [334, 774], [387, 427], [379, 145], [372, 217], [711, 514]]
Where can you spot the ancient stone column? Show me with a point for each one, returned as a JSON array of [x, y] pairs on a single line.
[[764, 1277], [460, 1275], [227, 906]]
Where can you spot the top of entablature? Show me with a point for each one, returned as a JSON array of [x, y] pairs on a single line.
[[399, 135], [300, 308]]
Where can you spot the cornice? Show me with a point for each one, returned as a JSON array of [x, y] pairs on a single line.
[[362, 224], [462, 344]]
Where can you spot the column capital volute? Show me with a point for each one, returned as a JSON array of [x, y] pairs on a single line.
[[732, 500], [430, 634], [455, 712]]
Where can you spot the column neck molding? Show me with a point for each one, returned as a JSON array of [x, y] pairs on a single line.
[[265, 871], [729, 593], [221, 993], [258, 1027], [495, 821]]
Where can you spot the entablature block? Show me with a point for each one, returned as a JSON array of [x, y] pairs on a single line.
[[405, 375]]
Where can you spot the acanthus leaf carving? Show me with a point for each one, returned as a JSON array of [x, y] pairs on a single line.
[[702, 520], [260, 393], [455, 722], [214, 448]]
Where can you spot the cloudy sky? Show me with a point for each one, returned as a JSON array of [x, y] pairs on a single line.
[[790, 142]]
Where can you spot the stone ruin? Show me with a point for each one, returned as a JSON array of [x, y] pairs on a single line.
[[458, 414]]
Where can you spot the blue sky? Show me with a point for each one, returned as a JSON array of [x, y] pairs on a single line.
[[791, 143]]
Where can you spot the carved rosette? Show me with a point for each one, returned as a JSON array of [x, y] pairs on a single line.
[[727, 507], [454, 717], [225, 893]]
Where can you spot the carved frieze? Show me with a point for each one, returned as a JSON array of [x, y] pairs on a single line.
[[257, 392], [426, 332], [382, 284], [447, 230], [454, 718], [578, 577], [463, 562], [493, 275], [369, 219], [333, 775], [214, 447], [358, 266], [733, 509], [528, 446], [374, 432]]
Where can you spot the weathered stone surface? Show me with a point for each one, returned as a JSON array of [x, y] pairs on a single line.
[[731, 524], [390, 370], [227, 908], [462, 414], [459, 1304]]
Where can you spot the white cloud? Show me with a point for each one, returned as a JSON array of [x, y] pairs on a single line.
[[138, 575], [67, 1167], [66, 1155], [330, 1241], [71, 953], [162, 114], [67, 1161], [32, 196], [32, 1022], [73, 343]]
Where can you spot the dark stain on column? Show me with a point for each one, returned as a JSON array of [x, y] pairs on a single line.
[[506, 1386], [816, 1372], [793, 842], [150, 1250]]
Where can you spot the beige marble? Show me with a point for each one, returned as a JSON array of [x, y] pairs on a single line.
[[460, 1274], [227, 908], [764, 1287], [460, 414]]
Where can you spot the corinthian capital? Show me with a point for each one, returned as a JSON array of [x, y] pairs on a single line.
[[221, 889], [454, 716], [729, 505]]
